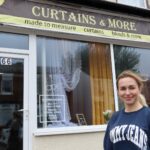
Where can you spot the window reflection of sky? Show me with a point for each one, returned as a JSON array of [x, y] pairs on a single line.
[[144, 66], [132, 58], [10, 40], [137, 3]]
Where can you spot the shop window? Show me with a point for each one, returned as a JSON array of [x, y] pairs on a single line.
[[74, 82], [135, 3], [15, 41], [136, 59]]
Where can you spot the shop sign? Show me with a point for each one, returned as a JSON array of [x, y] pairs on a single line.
[[51, 108], [5, 61], [45, 16]]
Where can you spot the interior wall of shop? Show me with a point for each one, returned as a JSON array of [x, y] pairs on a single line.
[[84, 141]]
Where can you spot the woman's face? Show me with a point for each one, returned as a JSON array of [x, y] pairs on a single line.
[[128, 90]]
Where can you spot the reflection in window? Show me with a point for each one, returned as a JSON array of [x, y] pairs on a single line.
[[7, 84], [11, 40], [72, 78], [136, 59], [137, 3]]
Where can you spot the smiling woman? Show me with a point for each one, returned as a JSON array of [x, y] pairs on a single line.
[[129, 126], [129, 90]]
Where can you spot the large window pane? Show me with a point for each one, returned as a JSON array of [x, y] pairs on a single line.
[[136, 59], [74, 82], [137, 3], [11, 40]]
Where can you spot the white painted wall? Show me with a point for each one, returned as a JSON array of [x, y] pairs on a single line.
[[84, 141]]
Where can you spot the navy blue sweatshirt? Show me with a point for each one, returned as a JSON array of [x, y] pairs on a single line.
[[128, 130]]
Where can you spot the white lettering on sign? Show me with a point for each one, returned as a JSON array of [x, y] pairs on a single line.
[[5, 61]]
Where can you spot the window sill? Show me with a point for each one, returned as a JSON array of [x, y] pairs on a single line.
[[70, 130]]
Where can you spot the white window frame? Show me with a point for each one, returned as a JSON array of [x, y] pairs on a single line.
[[33, 86], [79, 129], [9, 54]]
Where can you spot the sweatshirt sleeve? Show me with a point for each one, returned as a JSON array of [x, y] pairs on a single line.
[[148, 118], [107, 144]]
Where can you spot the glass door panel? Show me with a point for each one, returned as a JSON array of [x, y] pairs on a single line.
[[11, 103]]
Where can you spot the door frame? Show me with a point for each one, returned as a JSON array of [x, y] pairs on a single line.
[[25, 94]]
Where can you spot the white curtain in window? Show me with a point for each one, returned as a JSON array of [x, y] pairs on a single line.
[[62, 63], [71, 64], [138, 3]]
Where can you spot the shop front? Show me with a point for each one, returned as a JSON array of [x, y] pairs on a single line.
[[58, 68]]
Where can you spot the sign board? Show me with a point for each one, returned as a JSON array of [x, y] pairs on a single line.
[[51, 108], [5, 61], [81, 119], [44, 16]]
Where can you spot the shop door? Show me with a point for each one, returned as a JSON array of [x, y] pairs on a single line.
[[13, 102]]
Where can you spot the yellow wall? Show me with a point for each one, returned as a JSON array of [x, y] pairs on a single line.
[[85, 141]]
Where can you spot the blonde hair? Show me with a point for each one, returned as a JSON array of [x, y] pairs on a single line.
[[139, 81]]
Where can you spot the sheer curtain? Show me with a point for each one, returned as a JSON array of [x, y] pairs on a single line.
[[101, 81], [61, 63]]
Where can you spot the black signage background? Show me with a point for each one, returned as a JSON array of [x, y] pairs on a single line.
[[39, 15]]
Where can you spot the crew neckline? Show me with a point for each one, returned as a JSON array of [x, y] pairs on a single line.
[[133, 111]]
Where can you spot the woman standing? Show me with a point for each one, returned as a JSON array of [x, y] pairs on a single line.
[[129, 128]]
